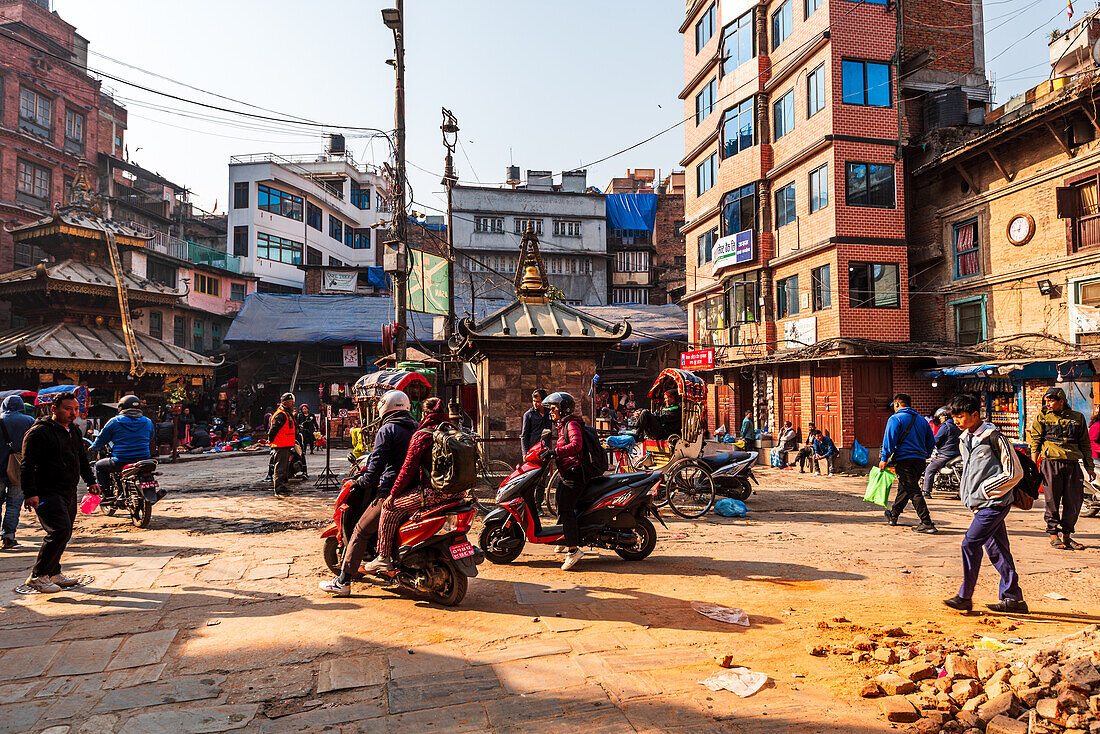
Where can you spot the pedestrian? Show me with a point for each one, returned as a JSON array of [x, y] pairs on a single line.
[[906, 445], [308, 427], [535, 421], [806, 452], [571, 479], [1060, 437], [947, 448], [283, 436], [14, 423], [373, 484], [664, 422], [130, 435], [991, 470], [54, 460], [748, 431], [824, 450], [788, 443], [1094, 435]]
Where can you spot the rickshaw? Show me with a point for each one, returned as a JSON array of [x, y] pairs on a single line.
[[368, 389]]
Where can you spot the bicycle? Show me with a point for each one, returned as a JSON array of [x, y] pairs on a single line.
[[491, 473]]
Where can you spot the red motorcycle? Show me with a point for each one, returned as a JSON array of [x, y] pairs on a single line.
[[434, 556]]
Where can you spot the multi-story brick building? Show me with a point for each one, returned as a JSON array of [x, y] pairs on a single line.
[[795, 204], [644, 241]]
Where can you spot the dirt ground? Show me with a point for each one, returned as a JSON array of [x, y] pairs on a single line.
[[210, 620]]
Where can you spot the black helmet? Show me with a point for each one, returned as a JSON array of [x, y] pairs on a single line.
[[563, 400], [943, 413], [129, 402]]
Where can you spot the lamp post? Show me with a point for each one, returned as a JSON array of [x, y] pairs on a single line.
[[394, 18], [449, 129]]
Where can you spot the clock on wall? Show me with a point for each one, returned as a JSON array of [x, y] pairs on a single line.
[[1021, 228]]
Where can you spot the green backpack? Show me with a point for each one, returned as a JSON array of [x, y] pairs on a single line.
[[453, 467]]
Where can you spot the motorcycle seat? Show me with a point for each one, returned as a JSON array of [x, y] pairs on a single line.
[[139, 466], [599, 485], [451, 508], [725, 457]]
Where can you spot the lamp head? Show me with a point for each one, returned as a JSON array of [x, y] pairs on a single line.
[[392, 18]]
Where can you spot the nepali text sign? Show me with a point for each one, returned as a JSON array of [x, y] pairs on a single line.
[[733, 249], [428, 292], [700, 359], [351, 356]]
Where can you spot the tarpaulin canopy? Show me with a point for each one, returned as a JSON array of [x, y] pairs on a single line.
[[47, 395], [631, 211], [281, 318], [377, 277]]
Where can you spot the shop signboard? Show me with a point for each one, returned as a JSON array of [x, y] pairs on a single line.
[[351, 356], [800, 333], [339, 281], [699, 359], [733, 249], [428, 292]]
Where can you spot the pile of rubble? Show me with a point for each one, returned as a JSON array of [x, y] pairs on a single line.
[[944, 687]]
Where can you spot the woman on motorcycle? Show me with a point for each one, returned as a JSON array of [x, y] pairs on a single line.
[[571, 479]]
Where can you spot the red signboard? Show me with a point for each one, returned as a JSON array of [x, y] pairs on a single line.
[[700, 359]]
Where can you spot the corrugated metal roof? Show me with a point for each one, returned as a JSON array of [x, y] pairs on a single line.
[[80, 273], [90, 344], [552, 320]]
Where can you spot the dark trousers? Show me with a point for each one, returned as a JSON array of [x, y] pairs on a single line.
[[987, 530], [104, 468], [938, 462], [830, 463], [363, 538], [1064, 485], [56, 515], [908, 488], [570, 488], [802, 457], [282, 468], [649, 427], [308, 441]]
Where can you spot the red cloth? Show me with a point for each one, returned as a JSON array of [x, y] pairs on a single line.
[[1094, 434], [570, 442], [412, 474]]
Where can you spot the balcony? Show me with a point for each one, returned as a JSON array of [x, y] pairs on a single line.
[[140, 200], [186, 250], [202, 255]]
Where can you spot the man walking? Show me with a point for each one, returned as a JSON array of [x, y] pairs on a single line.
[[947, 448], [14, 424], [906, 445], [1060, 436], [54, 460], [283, 434], [748, 431], [991, 470]]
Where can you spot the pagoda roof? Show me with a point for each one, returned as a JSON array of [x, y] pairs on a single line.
[[526, 319], [78, 222], [93, 349], [80, 277]]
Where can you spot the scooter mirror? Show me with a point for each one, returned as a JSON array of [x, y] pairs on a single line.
[[546, 433]]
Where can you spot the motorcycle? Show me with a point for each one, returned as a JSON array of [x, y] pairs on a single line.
[[731, 472], [134, 489], [1091, 506], [946, 482], [434, 557], [611, 512]]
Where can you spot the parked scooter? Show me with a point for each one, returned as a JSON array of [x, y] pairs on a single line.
[[611, 512], [134, 489], [434, 557], [732, 473], [1091, 506]]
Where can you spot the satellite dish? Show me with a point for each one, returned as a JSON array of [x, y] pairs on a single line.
[[1096, 52]]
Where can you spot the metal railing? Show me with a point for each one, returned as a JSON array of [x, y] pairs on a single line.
[[187, 250]]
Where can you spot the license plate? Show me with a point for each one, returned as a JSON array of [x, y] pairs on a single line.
[[462, 550]]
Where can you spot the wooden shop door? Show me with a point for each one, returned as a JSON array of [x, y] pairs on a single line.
[[826, 399]]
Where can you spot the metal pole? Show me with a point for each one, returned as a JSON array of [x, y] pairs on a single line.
[[400, 217], [450, 178]]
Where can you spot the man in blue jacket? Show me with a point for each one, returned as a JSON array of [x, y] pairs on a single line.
[[130, 434], [947, 448], [15, 423], [906, 446]]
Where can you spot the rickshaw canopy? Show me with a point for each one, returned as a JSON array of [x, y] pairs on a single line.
[[691, 387], [47, 395], [373, 385]]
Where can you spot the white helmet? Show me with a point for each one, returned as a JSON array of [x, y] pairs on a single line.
[[393, 400]]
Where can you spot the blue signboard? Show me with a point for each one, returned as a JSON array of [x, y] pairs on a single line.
[[733, 249]]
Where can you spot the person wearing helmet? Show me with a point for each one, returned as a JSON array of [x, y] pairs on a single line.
[[373, 484], [947, 447], [1060, 436], [571, 479], [131, 436]]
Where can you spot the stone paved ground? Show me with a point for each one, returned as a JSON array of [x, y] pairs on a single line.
[[210, 621]]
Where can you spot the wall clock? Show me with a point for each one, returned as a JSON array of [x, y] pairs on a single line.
[[1021, 228]]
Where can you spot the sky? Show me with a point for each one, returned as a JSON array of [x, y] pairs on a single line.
[[544, 85]]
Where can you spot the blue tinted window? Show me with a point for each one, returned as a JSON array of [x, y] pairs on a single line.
[[782, 24], [739, 210], [784, 114], [738, 42], [785, 210], [737, 128], [866, 83], [704, 29]]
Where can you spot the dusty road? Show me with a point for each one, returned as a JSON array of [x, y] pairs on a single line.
[[210, 620]]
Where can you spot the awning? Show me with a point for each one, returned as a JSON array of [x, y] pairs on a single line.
[[631, 211]]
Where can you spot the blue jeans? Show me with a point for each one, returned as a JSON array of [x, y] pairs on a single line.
[[987, 530], [104, 468], [12, 499]]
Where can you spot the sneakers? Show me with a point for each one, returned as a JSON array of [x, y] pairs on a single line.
[[10, 544], [561, 549], [572, 559], [380, 565], [65, 582], [43, 584], [830, 474], [1011, 606], [335, 588], [926, 529], [890, 519], [957, 602]]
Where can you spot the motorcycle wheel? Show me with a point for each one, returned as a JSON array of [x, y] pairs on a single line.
[[646, 539], [141, 514], [334, 557], [1090, 508], [454, 587], [492, 534], [742, 491], [108, 509]]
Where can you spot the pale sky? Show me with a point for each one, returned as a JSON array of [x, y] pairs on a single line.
[[548, 85]]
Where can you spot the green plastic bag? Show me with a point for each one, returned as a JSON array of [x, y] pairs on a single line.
[[878, 486]]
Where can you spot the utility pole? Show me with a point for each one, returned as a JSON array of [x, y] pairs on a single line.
[[394, 18], [450, 178]]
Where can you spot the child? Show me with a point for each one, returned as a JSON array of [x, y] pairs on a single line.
[[990, 471]]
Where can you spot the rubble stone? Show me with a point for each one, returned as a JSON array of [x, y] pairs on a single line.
[[819, 651], [1047, 708], [1076, 721], [893, 632], [1022, 680], [894, 685], [1094, 705], [917, 670], [968, 719], [942, 685], [886, 655], [939, 717], [1005, 704], [927, 726], [869, 689], [960, 666], [1048, 675], [989, 665], [1005, 725], [1081, 674], [1030, 696], [1071, 700], [905, 653], [898, 709], [863, 642], [974, 703], [966, 689]]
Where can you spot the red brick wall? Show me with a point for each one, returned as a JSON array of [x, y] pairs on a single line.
[[669, 243]]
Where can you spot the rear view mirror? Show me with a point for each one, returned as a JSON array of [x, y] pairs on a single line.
[[546, 433]]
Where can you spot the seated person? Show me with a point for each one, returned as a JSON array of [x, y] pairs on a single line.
[[200, 437], [662, 424], [131, 436], [788, 442], [824, 450], [806, 452]]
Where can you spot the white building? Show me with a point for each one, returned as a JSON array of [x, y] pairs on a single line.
[[286, 211], [570, 223]]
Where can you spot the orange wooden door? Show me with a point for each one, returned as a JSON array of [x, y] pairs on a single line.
[[873, 389], [826, 399], [790, 396]]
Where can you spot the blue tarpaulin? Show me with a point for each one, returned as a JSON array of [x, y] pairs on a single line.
[[377, 277], [631, 211]]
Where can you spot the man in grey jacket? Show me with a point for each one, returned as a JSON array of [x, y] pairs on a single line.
[[15, 423], [991, 470]]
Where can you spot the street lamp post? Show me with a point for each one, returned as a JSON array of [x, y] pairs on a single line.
[[450, 178], [394, 18]]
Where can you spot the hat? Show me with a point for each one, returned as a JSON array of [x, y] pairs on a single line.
[[1055, 393], [286, 396]]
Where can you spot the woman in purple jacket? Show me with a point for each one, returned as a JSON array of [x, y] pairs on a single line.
[[571, 479]]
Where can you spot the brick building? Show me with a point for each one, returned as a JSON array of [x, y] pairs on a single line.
[[796, 262], [644, 241]]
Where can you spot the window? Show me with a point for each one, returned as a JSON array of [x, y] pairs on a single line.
[[489, 224], [313, 256], [335, 228], [35, 113], [360, 239], [206, 284], [738, 42], [237, 291], [197, 339], [783, 114], [1087, 294], [716, 313], [337, 263], [632, 262], [33, 181], [279, 249], [870, 184], [66, 188], [970, 322], [704, 101], [782, 24], [179, 331], [737, 128], [630, 295], [744, 301], [240, 241], [739, 210], [705, 245], [118, 143], [786, 297], [156, 324], [74, 131], [313, 216], [819, 188], [360, 197], [866, 83], [821, 284], [279, 202], [873, 285], [815, 91], [785, 209], [566, 228], [522, 224], [349, 235], [967, 260], [811, 6], [215, 335], [704, 28], [704, 174], [240, 195], [162, 273]]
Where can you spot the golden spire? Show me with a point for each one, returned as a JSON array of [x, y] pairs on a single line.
[[531, 283]]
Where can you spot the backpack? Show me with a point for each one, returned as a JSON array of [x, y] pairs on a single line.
[[1027, 489], [453, 467], [593, 454]]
